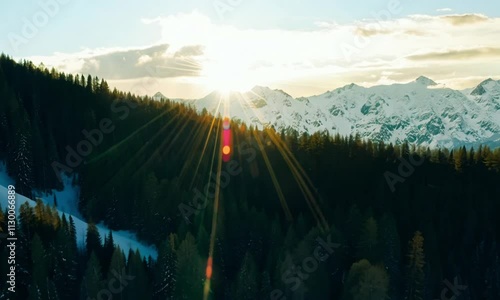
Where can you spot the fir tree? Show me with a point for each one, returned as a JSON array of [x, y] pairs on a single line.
[[415, 269]]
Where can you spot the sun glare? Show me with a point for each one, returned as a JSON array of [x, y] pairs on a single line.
[[227, 76]]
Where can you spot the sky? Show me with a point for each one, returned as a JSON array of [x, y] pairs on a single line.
[[188, 48]]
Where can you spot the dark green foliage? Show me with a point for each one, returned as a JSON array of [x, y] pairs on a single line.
[[152, 163]]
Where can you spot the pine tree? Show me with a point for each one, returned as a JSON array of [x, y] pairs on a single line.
[[89, 86], [460, 159], [107, 251], [368, 245], [138, 287], [82, 80], [23, 162], [391, 250], [165, 272], [72, 234], [247, 284], [189, 281], [93, 241], [492, 160], [415, 269], [65, 278], [116, 272], [39, 286], [366, 282], [92, 282]]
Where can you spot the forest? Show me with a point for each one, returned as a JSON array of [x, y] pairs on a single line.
[[317, 216]]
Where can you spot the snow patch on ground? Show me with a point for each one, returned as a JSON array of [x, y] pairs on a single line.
[[5, 180], [67, 200]]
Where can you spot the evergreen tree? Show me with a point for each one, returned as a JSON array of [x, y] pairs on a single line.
[[391, 248], [368, 244], [65, 264], [247, 284], [189, 281], [366, 282], [116, 273], [138, 287], [39, 288], [460, 159], [165, 272], [92, 283], [107, 251], [93, 241], [415, 270], [89, 86]]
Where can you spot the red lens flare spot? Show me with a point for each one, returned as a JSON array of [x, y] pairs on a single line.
[[209, 268], [226, 140]]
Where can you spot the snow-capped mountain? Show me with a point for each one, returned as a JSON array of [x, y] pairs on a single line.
[[159, 96], [420, 112]]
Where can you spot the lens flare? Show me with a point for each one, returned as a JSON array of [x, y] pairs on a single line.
[[208, 271], [226, 140]]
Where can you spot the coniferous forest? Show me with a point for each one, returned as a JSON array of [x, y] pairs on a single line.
[[289, 216]]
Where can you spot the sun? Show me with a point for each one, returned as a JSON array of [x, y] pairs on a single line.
[[227, 76]]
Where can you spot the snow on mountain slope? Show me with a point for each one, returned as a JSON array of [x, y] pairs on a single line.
[[66, 204], [487, 96], [420, 112]]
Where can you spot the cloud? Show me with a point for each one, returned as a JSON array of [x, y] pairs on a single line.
[[154, 61], [446, 9], [371, 32], [192, 51], [487, 52], [416, 32], [144, 59], [465, 19], [189, 51]]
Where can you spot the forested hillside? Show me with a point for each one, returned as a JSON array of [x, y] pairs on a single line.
[[317, 216]]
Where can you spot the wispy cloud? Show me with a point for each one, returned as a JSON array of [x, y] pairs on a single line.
[[153, 61], [445, 9], [371, 32], [465, 19], [474, 53]]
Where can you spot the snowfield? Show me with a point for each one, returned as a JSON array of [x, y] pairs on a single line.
[[67, 200]]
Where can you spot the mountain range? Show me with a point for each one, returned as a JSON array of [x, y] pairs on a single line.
[[420, 112]]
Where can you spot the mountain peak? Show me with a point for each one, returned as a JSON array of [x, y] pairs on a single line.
[[159, 96], [481, 88], [349, 87], [264, 89], [425, 81], [260, 88]]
